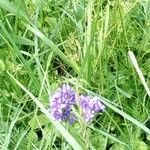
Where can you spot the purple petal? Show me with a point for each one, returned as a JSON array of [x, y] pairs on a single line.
[[72, 119], [66, 113], [84, 102], [57, 116], [88, 116]]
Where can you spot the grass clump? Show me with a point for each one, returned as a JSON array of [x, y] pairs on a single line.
[[45, 44]]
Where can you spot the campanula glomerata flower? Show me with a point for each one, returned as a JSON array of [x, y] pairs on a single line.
[[65, 97], [62, 101], [90, 106]]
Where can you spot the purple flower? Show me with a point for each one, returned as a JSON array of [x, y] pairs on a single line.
[[57, 115], [91, 106], [72, 119], [84, 102], [97, 105], [62, 100], [88, 115], [66, 113]]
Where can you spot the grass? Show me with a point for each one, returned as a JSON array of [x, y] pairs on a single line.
[[98, 47]]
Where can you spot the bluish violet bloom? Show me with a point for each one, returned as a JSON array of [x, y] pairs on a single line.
[[97, 105], [57, 115], [84, 102], [62, 101], [90, 106], [72, 119]]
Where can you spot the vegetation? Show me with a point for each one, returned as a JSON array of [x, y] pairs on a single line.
[[86, 44]]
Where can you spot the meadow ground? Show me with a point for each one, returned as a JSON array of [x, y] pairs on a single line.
[[90, 45]]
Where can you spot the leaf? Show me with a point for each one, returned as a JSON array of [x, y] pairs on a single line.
[[140, 145], [100, 132], [98, 142], [24, 41], [109, 104], [54, 47], [68, 137], [146, 6], [33, 136], [40, 119], [125, 94], [7, 5], [118, 146], [3, 129], [2, 66]]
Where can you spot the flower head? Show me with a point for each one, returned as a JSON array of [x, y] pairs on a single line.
[[62, 100], [65, 97], [90, 106]]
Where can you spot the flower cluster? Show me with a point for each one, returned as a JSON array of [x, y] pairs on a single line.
[[90, 106], [62, 100], [65, 97]]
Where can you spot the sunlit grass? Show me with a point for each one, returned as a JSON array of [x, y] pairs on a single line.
[[83, 43]]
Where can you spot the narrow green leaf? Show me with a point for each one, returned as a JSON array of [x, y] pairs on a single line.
[[24, 41], [69, 138], [123, 114], [7, 5], [56, 50], [108, 135]]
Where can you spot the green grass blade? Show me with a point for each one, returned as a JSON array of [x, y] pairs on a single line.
[[56, 50], [69, 138], [5, 4], [125, 115], [107, 135], [117, 110]]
